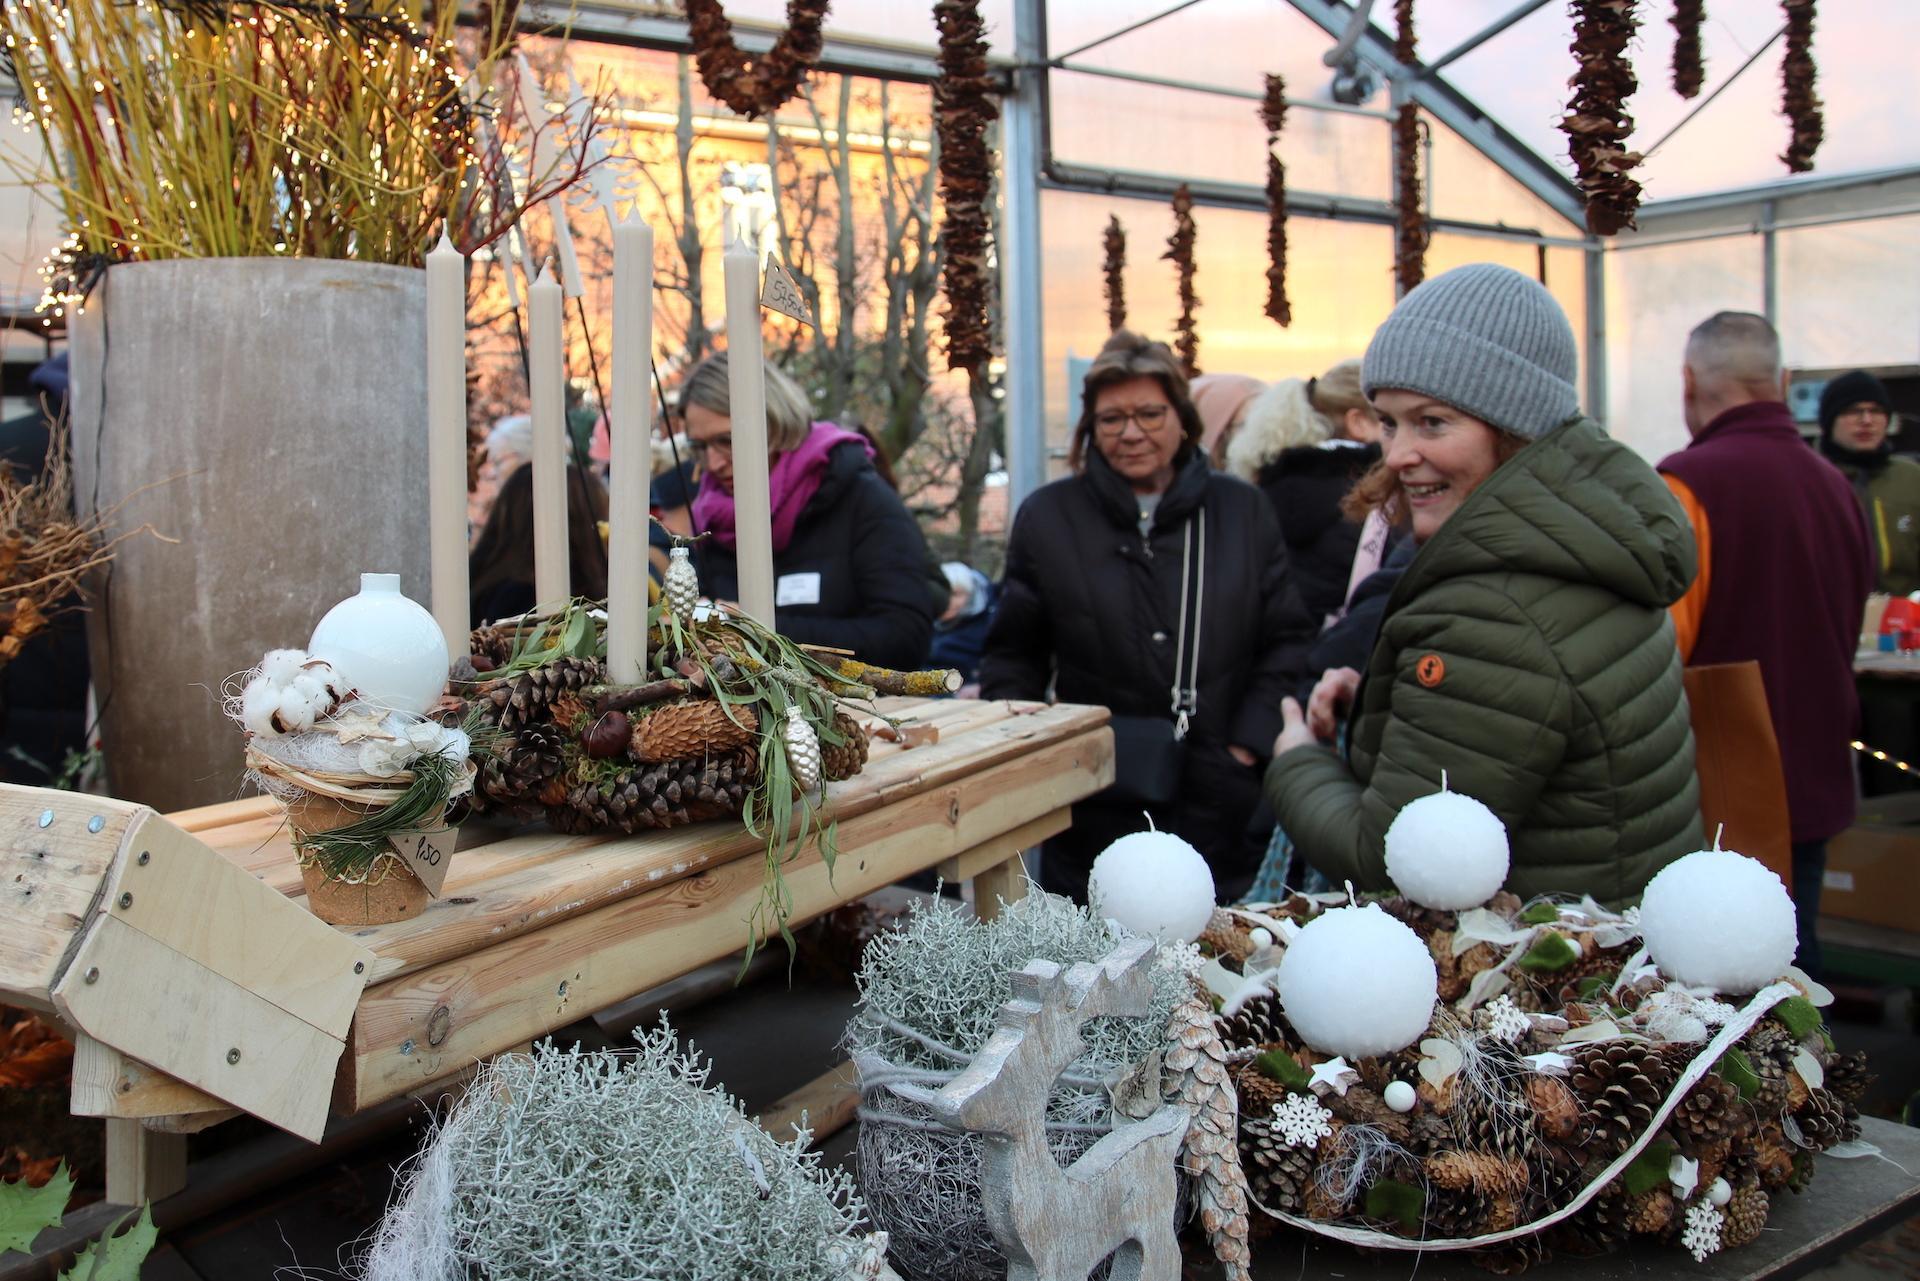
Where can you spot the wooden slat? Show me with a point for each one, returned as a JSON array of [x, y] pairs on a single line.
[[154, 1004], [419, 1026], [173, 889], [108, 1083], [50, 879], [143, 1166], [527, 882], [225, 814]]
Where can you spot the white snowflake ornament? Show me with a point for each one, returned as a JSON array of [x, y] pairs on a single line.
[[1702, 1236], [1507, 1021], [1301, 1121]]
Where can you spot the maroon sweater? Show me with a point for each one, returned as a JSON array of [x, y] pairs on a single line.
[[1791, 569]]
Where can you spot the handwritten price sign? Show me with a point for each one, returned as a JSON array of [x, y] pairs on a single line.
[[779, 292], [427, 853]]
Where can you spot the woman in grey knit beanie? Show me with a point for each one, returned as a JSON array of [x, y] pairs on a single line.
[[1526, 652]]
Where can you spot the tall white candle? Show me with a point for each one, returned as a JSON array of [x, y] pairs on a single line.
[[447, 440], [628, 426], [747, 396], [546, 362]]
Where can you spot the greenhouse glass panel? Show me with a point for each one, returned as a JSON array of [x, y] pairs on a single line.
[[1847, 294]]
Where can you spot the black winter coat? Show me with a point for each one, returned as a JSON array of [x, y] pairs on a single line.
[[1090, 613], [1305, 485], [854, 575]]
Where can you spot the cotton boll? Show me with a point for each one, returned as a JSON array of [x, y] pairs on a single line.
[[296, 710], [1719, 919], [1447, 851], [258, 702], [280, 666], [1357, 983], [316, 691], [1153, 883]]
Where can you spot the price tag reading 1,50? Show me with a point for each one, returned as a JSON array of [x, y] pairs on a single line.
[[780, 292], [427, 854]]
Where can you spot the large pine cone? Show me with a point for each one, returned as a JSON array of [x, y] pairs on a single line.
[[1452, 1214], [1746, 1215], [1257, 1022], [844, 760], [697, 727], [516, 701], [1827, 1119], [665, 794], [1847, 1076], [1621, 1084], [515, 776], [1603, 1226], [1652, 1213], [1497, 1119], [1710, 1113], [1258, 1093], [1769, 1051], [1277, 1174]]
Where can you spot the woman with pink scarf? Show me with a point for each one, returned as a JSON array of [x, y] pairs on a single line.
[[850, 566]]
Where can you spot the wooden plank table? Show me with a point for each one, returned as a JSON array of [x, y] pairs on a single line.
[[534, 929]]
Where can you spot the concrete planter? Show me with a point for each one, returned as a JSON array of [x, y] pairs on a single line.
[[276, 412]]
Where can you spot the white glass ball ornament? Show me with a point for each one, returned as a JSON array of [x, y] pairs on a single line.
[[1357, 983], [1260, 936], [1447, 851], [1719, 1192], [385, 646], [1155, 884], [1399, 1096], [1718, 919]]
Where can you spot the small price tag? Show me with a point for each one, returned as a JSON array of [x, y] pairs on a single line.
[[779, 292], [427, 853]]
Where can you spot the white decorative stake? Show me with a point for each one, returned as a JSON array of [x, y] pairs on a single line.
[[781, 293], [1055, 1224]]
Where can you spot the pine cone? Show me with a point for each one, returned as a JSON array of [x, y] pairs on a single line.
[[1556, 1112], [1847, 1076], [1495, 1117], [516, 775], [1454, 1214], [568, 712], [696, 727], [1620, 1084], [1223, 936], [1603, 1226], [516, 701], [1257, 1022], [666, 794], [1651, 1213], [1381, 1070], [1197, 1062], [1713, 1157], [1709, 1113], [1746, 1215], [493, 643], [1475, 1171], [1827, 1119], [1362, 1106], [1769, 1049], [1771, 1157], [848, 758], [1278, 1174], [1257, 1092]]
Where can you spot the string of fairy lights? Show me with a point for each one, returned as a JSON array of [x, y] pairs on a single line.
[[1883, 758]]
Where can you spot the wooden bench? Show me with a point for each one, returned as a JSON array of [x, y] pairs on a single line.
[[197, 987]]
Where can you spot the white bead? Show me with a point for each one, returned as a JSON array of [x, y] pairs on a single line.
[[1399, 1096], [1719, 1192], [1260, 936]]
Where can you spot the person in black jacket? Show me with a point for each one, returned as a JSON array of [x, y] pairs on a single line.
[[850, 565], [1146, 573], [1305, 444]]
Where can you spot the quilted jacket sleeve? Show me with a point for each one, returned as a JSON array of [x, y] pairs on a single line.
[[1475, 691], [1018, 659]]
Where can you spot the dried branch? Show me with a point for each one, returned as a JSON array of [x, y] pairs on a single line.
[[1689, 71], [1273, 114], [755, 87], [1180, 252], [1597, 125], [964, 109], [1799, 102], [1115, 244]]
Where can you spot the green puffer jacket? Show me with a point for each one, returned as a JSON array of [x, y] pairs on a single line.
[[1526, 652], [1890, 492]]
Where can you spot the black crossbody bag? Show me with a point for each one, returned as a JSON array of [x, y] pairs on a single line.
[[1150, 752]]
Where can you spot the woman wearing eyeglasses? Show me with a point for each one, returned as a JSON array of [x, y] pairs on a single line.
[[1158, 587], [850, 567], [1856, 421]]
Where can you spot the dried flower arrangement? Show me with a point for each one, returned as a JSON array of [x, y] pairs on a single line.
[[1113, 243], [1411, 233], [1597, 124], [570, 1164], [964, 109], [1689, 71], [1186, 341], [755, 87], [254, 128], [1273, 114], [1799, 101], [736, 721]]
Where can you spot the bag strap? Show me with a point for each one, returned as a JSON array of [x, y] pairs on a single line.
[[1186, 699]]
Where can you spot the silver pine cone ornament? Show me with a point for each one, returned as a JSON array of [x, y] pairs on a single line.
[[803, 751], [682, 585]]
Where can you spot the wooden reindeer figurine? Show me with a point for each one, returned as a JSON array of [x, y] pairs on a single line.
[[1055, 1224]]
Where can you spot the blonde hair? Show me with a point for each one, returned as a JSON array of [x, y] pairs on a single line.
[[1337, 391], [789, 416]]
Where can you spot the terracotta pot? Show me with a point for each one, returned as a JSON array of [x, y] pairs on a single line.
[[391, 893]]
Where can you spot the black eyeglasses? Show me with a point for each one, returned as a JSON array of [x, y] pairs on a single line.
[[708, 448], [1112, 422]]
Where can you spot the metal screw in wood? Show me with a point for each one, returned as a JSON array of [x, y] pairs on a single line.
[[126, 901], [95, 823], [46, 818], [93, 974], [359, 967], [144, 856], [233, 1055]]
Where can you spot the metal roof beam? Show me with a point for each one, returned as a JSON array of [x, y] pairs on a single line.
[[1127, 30], [1485, 34], [1457, 112], [616, 24]]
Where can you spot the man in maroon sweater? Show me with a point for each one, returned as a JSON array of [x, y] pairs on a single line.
[[1785, 568]]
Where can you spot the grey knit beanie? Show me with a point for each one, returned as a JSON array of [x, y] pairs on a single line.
[[1486, 340]]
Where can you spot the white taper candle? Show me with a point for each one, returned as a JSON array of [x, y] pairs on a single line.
[[447, 440], [547, 364], [628, 427], [747, 399]]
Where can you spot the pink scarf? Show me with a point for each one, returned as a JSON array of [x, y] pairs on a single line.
[[792, 481]]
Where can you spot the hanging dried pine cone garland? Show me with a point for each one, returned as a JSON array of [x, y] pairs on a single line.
[[1186, 343], [1273, 114], [1689, 72], [1799, 102], [964, 109], [1597, 124], [1113, 244], [755, 87], [1411, 234]]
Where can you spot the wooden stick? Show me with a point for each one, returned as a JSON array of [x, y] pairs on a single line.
[[612, 699], [885, 680]]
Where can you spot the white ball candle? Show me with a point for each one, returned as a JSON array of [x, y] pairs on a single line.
[[1719, 919], [1153, 883], [1357, 983], [1447, 851]]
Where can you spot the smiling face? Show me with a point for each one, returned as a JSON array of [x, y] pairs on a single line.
[[1439, 454], [1137, 431]]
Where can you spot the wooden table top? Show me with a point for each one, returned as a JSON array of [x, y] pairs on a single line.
[[507, 882]]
